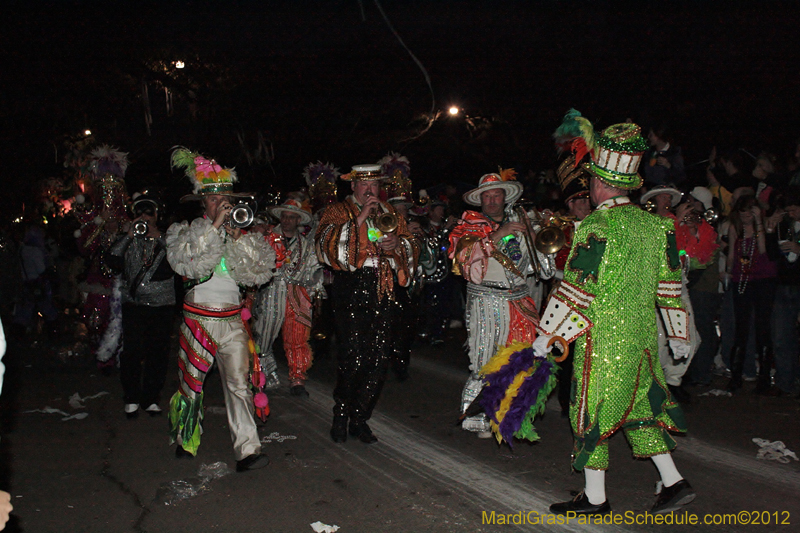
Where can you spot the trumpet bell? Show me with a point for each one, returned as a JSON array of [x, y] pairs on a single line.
[[386, 222], [241, 216], [550, 240]]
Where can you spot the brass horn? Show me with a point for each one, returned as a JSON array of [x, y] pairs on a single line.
[[386, 222], [711, 215], [550, 239]]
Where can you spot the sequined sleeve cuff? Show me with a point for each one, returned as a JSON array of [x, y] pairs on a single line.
[[675, 322], [564, 315]]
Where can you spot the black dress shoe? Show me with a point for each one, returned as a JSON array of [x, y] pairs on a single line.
[[339, 429], [580, 505], [180, 453], [673, 497], [254, 461], [363, 433]]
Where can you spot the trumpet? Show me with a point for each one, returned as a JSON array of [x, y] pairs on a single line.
[[140, 228], [710, 215], [387, 222], [241, 216]]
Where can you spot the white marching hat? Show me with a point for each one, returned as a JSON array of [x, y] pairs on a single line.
[[512, 187], [662, 189], [294, 207]]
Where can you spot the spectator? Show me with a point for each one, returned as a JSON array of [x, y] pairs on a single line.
[[664, 161]]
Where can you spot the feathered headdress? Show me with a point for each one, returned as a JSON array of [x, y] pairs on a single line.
[[507, 174], [321, 180], [398, 171], [576, 134], [206, 175], [108, 160]]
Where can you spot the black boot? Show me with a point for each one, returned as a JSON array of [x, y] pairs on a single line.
[[765, 360], [339, 429], [737, 367]]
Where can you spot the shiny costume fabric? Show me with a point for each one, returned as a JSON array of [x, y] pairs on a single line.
[[623, 263], [285, 305], [363, 304], [214, 331], [499, 311]]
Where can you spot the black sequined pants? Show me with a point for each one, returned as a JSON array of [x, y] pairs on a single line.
[[364, 329]]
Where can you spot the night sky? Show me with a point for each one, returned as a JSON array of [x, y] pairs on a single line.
[[330, 81]]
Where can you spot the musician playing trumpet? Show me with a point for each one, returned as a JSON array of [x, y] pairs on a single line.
[[369, 262], [490, 250]]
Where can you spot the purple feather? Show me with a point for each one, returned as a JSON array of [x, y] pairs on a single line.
[[526, 397], [496, 384]]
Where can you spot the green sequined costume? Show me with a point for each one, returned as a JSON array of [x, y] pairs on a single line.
[[623, 263]]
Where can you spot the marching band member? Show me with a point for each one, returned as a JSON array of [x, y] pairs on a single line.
[[369, 265], [488, 249]]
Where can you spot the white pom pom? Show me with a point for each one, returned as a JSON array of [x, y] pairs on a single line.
[[423, 193], [76, 233], [79, 199], [98, 220]]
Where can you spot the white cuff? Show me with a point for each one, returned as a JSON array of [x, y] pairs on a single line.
[[675, 322]]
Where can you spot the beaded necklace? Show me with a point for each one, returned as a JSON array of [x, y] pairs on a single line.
[[746, 261]]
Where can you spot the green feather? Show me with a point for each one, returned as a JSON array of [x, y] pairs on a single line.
[[183, 158]]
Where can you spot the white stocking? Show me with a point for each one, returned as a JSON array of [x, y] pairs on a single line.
[[595, 489], [666, 467]]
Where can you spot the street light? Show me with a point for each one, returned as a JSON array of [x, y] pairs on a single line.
[[87, 132], [179, 64], [453, 110]]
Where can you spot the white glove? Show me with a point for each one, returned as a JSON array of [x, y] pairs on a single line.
[[540, 345], [680, 348]]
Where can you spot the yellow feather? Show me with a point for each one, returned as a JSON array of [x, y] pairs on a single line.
[[502, 357], [511, 393]]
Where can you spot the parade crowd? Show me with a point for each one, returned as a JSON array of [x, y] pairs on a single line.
[[625, 279]]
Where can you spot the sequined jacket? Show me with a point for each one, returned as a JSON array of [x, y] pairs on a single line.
[[472, 250], [300, 266], [147, 278], [624, 262], [343, 246]]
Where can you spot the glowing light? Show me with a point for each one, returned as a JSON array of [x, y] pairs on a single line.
[[453, 111], [180, 64], [87, 132]]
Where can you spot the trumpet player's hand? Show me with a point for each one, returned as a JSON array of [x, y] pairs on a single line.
[[235, 233], [223, 213], [369, 208], [127, 227], [682, 211], [389, 242], [508, 228]]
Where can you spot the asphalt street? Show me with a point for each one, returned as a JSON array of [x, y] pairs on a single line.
[[76, 464]]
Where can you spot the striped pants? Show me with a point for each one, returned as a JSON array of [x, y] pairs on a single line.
[[209, 335]]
